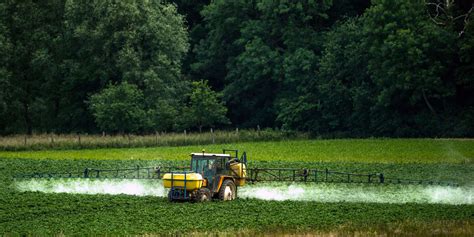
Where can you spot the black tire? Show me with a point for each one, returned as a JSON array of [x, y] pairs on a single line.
[[170, 196], [203, 195], [228, 190]]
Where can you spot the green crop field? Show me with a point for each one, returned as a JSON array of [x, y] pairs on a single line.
[[344, 150], [49, 213]]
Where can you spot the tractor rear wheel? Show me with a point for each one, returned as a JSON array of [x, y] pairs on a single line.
[[203, 195], [228, 190]]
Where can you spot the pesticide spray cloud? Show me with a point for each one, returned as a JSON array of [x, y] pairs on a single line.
[[94, 186], [361, 193], [269, 191]]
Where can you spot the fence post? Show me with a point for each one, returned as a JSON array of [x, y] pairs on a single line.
[[258, 130], [52, 139], [382, 179], [128, 136], [213, 138], [25, 140], [156, 138], [79, 139], [327, 171]]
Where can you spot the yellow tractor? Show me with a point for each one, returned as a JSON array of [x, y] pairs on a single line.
[[212, 176]]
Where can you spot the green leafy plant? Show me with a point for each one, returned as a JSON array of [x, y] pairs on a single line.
[[119, 108]]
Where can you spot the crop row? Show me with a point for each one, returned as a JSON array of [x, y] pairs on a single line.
[[39, 213], [346, 150]]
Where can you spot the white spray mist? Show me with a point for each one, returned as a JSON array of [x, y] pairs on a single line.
[[325, 192], [321, 192], [95, 186]]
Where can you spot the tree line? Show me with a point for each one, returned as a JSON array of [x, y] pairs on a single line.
[[345, 68]]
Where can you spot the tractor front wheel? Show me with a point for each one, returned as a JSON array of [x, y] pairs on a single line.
[[228, 190], [203, 195], [170, 196]]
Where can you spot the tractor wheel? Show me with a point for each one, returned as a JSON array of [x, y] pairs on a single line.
[[203, 195], [228, 190], [170, 196]]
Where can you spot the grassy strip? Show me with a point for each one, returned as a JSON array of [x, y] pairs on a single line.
[[81, 141], [341, 150]]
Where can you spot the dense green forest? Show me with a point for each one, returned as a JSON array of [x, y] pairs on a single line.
[[345, 68]]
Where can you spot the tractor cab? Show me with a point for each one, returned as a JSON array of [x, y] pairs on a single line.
[[209, 165], [212, 165]]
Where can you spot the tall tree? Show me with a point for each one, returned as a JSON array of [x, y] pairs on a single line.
[[33, 29], [259, 52], [250, 44], [191, 9], [222, 23], [5, 85], [139, 42], [204, 107], [392, 72], [337, 97], [119, 108], [409, 66]]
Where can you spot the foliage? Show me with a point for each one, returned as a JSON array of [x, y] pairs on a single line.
[[338, 98], [192, 11], [347, 68], [412, 81], [204, 109], [32, 29], [141, 43], [119, 108], [64, 51], [387, 73], [5, 86], [261, 40]]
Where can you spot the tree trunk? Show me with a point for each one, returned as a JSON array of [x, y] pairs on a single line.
[[26, 114], [427, 102]]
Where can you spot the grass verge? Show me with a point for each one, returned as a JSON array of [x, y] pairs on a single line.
[[81, 141], [341, 150]]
